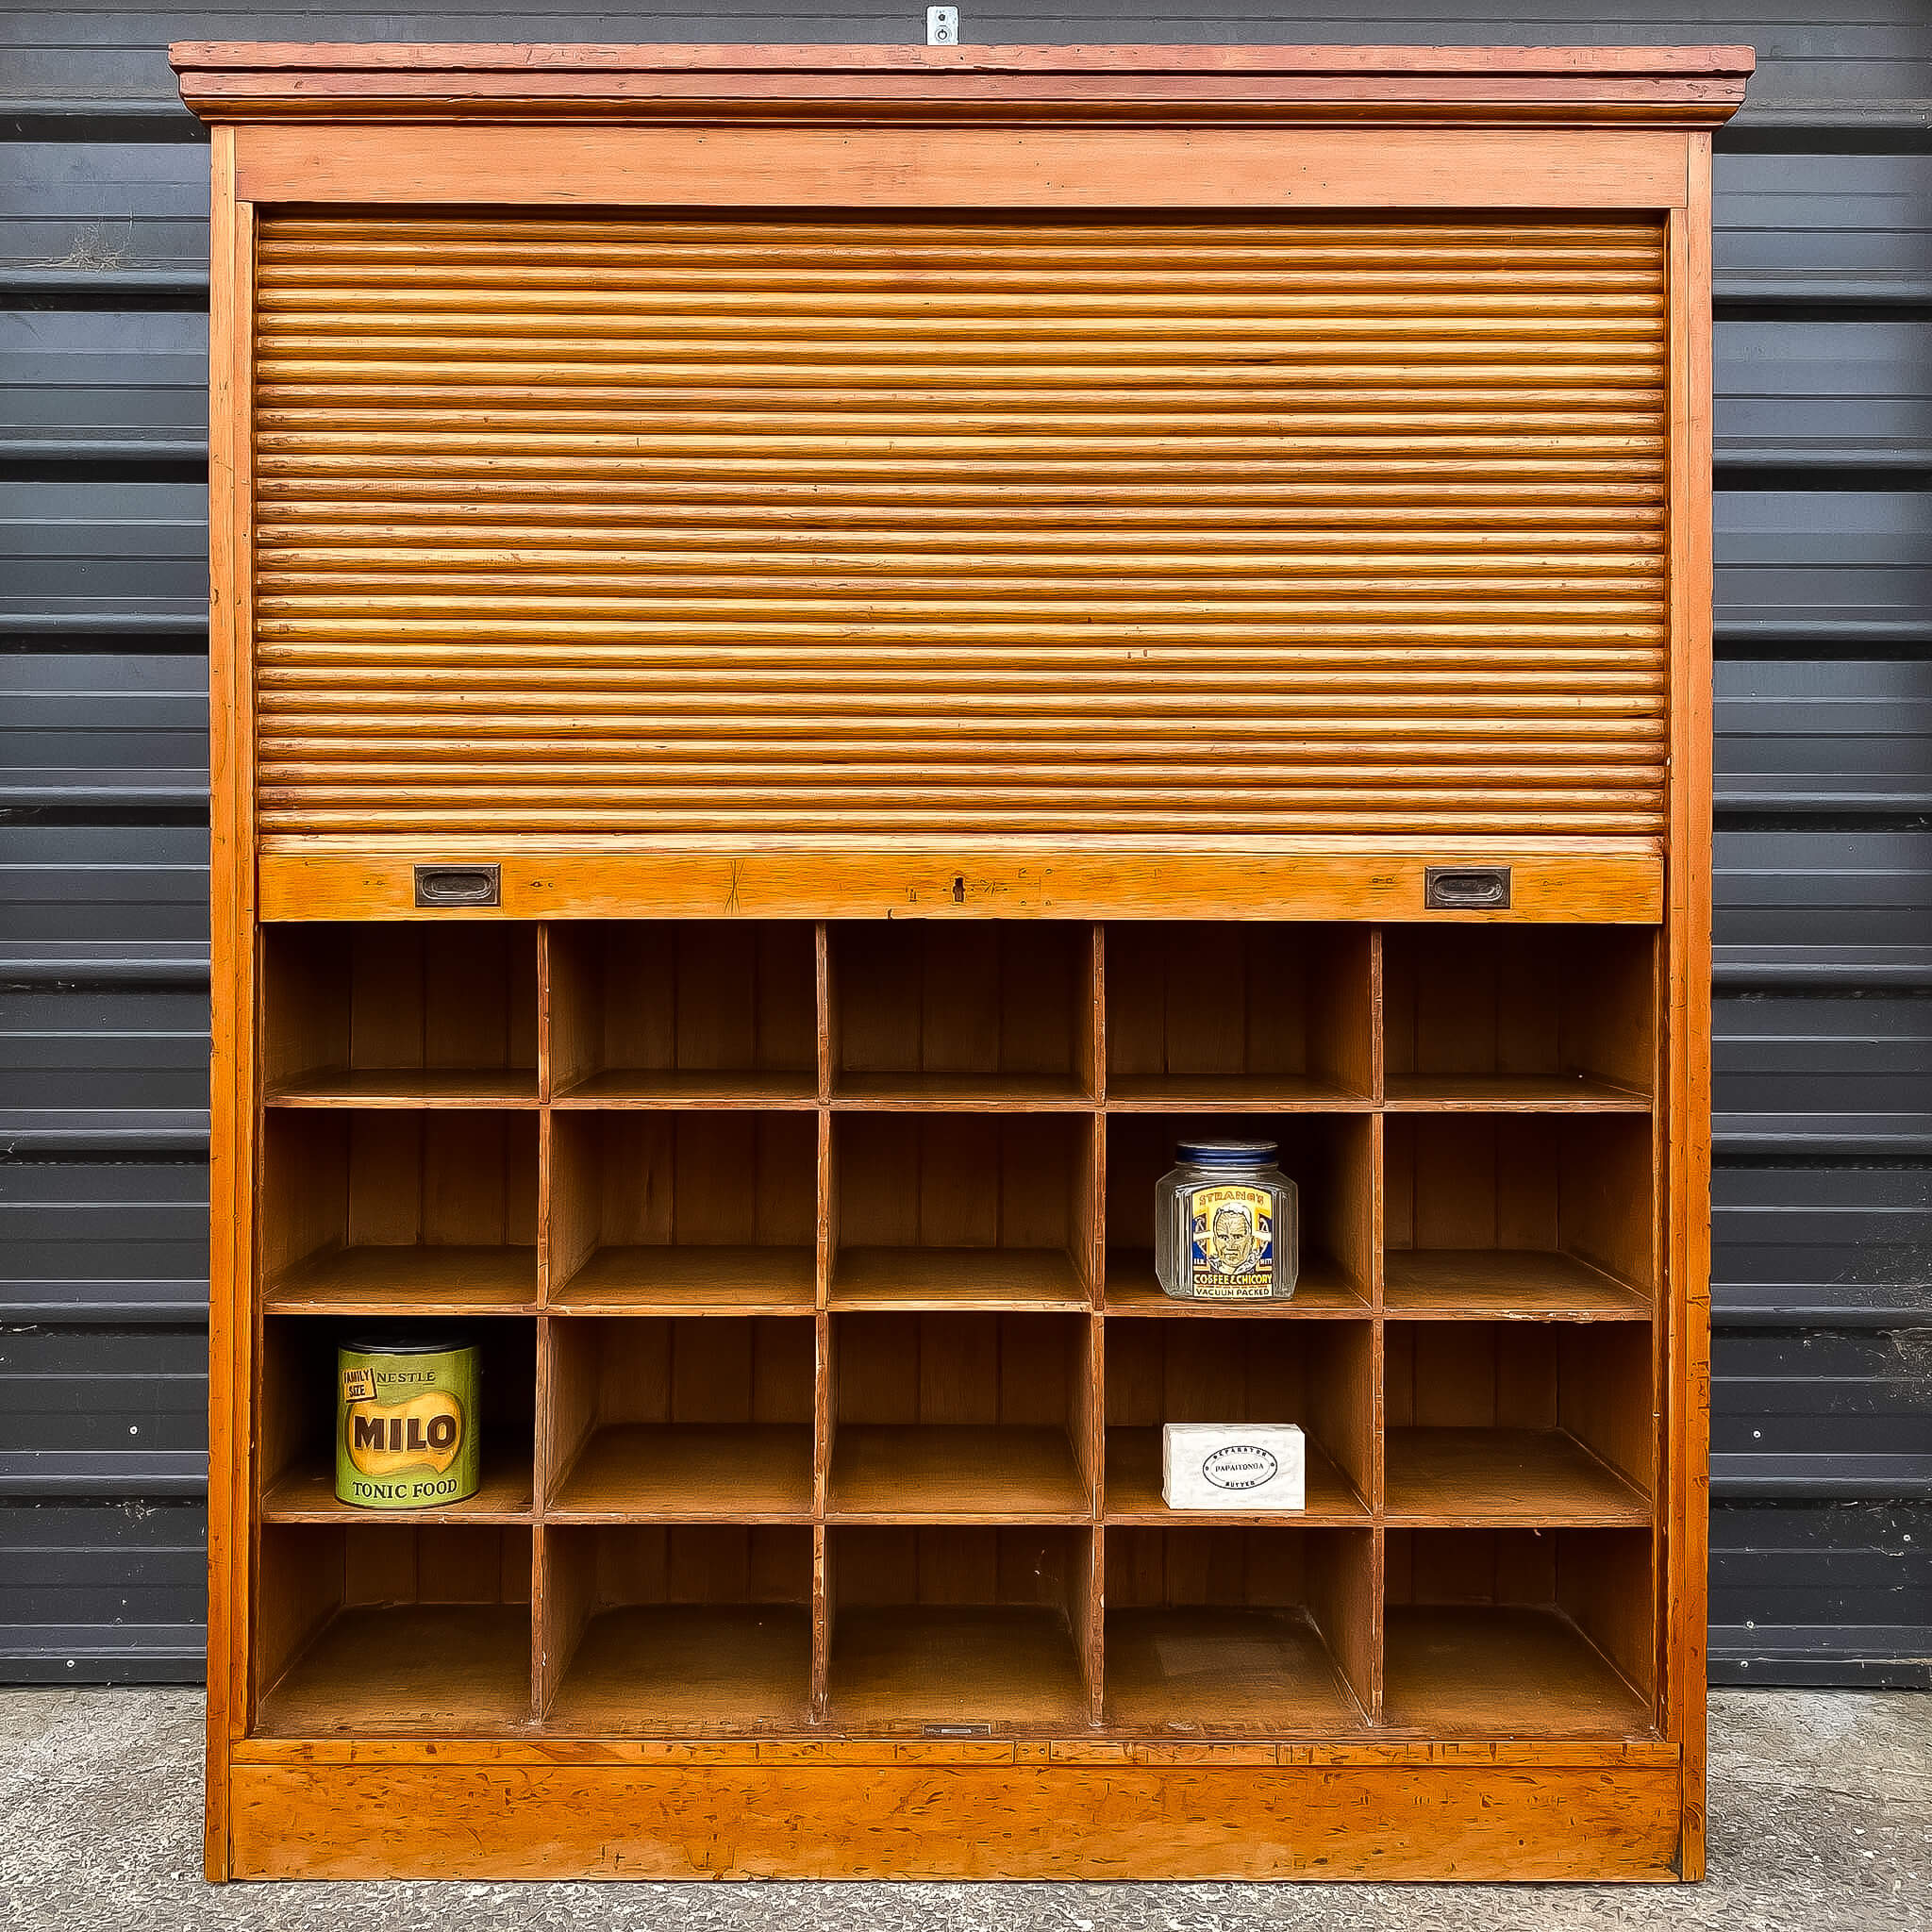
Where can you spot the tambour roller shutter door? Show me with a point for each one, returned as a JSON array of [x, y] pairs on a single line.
[[979, 526]]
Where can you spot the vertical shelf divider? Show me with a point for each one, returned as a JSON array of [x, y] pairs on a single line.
[[549, 1651], [821, 1616], [824, 1367], [1378, 1437], [825, 1008], [1662, 1210], [1096, 1337], [545, 1662]]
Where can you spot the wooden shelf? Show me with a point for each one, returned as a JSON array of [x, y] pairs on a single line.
[[641, 1087], [1519, 1284], [1322, 1290], [939, 1473], [1133, 1489], [307, 1494], [1504, 1476], [687, 1668], [1206, 1667], [459, 1670], [409, 1281], [689, 1473], [940, 1278], [905, 1666], [1508, 1093], [1231, 1094], [410, 1086], [669, 1280], [962, 1092], [1495, 1670]]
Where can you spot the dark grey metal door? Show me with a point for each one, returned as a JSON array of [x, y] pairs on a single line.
[[1822, 1530]]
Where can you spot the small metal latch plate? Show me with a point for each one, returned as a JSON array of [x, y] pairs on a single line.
[[1466, 888], [458, 885], [957, 1730], [941, 27]]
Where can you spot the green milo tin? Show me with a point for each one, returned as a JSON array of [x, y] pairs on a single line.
[[407, 1434]]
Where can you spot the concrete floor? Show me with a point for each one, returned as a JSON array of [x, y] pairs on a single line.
[[1820, 1810]]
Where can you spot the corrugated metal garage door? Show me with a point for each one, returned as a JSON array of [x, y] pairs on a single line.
[[1822, 1543]]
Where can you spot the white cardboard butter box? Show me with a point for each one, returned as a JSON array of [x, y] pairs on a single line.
[[1233, 1466]]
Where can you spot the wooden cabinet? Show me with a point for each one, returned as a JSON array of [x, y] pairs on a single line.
[[817, 654]]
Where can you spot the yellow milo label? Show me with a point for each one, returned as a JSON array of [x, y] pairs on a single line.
[[426, 1430], [1231, 1242], [406, 1428]]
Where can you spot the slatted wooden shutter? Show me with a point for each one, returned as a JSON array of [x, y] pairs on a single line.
[[1020, 526]]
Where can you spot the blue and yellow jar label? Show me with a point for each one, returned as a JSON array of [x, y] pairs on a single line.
[[1231, 1242]]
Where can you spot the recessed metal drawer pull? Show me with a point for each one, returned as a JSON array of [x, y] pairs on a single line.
[[458, 885], [1466, 888]]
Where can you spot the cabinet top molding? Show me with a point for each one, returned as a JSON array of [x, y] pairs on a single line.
[[1680, 87]]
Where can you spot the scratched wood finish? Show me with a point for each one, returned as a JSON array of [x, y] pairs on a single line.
[[808, 1256], [601, 877], [1684, 1061], [1467, 85], [233, 985], [1026, 1820]]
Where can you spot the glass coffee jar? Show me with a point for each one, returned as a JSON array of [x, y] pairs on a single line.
[[1225, 1224]]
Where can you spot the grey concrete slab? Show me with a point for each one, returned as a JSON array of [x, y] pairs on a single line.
[[1820, 1808]]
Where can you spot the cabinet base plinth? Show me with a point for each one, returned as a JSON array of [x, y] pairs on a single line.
[[505, 1819]]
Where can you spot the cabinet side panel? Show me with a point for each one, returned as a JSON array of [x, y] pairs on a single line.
[[1688, 1409], [232, 1064]]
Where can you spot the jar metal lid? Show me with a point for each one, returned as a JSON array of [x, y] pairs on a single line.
[[1227, 1153]]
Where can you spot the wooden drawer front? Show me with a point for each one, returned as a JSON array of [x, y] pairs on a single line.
[[972, 526]]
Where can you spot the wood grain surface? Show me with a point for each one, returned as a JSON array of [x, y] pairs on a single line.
[[711, 550], [1183, 86], [1453, 1669], [601, 877], [1176, 1820]]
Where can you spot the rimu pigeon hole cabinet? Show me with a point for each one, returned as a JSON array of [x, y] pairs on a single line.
[[817, 654]]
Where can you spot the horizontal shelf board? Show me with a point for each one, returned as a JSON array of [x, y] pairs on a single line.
[[938, 1278], [687, 1669], [1321, 1289], [667, 1280], [1508, 1093], [1241, 1092], [1506, 1284], [1526, 1477], [1203, 1666], [689, 1473], [410, 1670], [944, 1473], [409, 1281], [644, 1087], [962, 1092], [307, 1494], [410, 1086], [1457, 1669], [1133, 1489], [903, 1666]]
